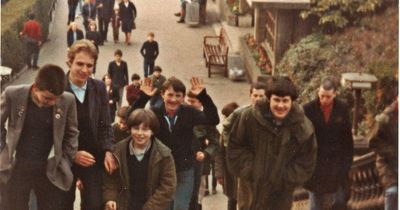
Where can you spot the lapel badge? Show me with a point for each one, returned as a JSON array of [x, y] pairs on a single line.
[[58, 113], [21, 111]]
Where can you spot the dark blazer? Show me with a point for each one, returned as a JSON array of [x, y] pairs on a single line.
[[127, 13], [335, 146], [107, 10], [112, 68], [180, 139], [99, 112], [86, 14], [13, 103], [113, 95], [94, 36], [70, 36]]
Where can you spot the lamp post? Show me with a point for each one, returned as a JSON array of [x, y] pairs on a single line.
[[357, 82]]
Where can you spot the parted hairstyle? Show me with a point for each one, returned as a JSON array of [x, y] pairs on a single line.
[[82, 45], [145, 116], [51, 78], [281, 86], [176, 84]]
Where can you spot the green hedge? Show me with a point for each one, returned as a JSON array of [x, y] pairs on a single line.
[[13, 16]]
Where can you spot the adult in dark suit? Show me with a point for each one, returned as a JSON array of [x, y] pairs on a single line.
[[105, 10], [95, 147], [128, 14], [72, 4], [39, 117], [331, 120], [88, 13], [73, 34]]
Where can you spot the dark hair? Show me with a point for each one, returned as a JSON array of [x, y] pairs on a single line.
[[157, 68], [104, 77], [31, 16], [51, 78], [145, 116], [281, 86], [135, 77], [328, 84], [229, 108], [118, 52], [122, 111], [258, 86], [190, 94], [176, 84]]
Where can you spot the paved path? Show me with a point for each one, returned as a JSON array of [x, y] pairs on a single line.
[[180, 55]]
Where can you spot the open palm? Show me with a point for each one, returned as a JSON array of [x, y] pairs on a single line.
[[197, 85]]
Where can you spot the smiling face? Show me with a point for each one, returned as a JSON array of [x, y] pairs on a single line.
[[81, 68], [141, 135], [280, 106], [172, 100]]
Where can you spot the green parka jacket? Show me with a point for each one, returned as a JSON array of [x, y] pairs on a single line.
[[161, 178], [273, 159]]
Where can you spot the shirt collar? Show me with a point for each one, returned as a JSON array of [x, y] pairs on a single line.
[[138, 152], [76, 88]]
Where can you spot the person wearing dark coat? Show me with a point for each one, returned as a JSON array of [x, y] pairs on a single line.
[[118, 72], [73, 34], [72, 4], [128, 14], [331, 120], [150, 53], [88, 13], [113, 96], [104, 14]]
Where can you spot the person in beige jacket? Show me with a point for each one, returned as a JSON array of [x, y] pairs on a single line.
[[146, 177]]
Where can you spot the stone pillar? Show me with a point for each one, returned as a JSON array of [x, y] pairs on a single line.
[[259, 26]]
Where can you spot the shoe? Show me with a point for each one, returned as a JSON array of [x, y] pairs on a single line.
[[214, 191], [178, 14], [206, 193], [180, 21]]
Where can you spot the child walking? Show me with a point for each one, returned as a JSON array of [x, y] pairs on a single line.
[[149, 52]]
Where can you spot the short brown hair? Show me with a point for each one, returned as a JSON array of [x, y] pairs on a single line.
[[176, 84], [258, 86], [150, 34], [118, 52], [122, 111], [51, 78], [190, 94], [229, 108], [82, 45], [145, 116]]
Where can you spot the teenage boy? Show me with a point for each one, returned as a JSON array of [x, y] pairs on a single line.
[[95, 147], [176, 127], [120, 128], [149, 52], [133, 90], [158, 81], [118, 72], [273, 147], [39, 117]]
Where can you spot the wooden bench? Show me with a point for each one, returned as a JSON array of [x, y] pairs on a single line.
[[215, 52]]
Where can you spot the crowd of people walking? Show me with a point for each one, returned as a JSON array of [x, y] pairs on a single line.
[[70, 131]]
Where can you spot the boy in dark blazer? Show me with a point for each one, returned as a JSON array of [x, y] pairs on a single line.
[[118, 72]]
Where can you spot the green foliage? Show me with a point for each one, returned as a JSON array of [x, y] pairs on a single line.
[[340, 13], [13, 16]]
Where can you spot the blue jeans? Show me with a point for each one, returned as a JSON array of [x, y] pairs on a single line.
[[336, 200], [148, 68], [391, 198], [184, 190]]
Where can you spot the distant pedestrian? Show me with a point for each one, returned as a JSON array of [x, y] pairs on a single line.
[[39, 117], [203, 11], [104, 14], [72, 4], [88, 13], [116, 24], [118, 72], [32, 36], [120, 128], [93, 35], [331, 120], [133, 90], [146, 178], [272, 146], [128, 14], [149, 52], [182, 14], [113, 96], [158, 81], [73, 34]]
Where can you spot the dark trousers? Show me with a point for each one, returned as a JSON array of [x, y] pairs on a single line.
[[103, 27], [232, 204], [148, 68], [213, 178], [198, 170], [32, 54], [116, 33], [92, 193], [27, 176], [71, 12]]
